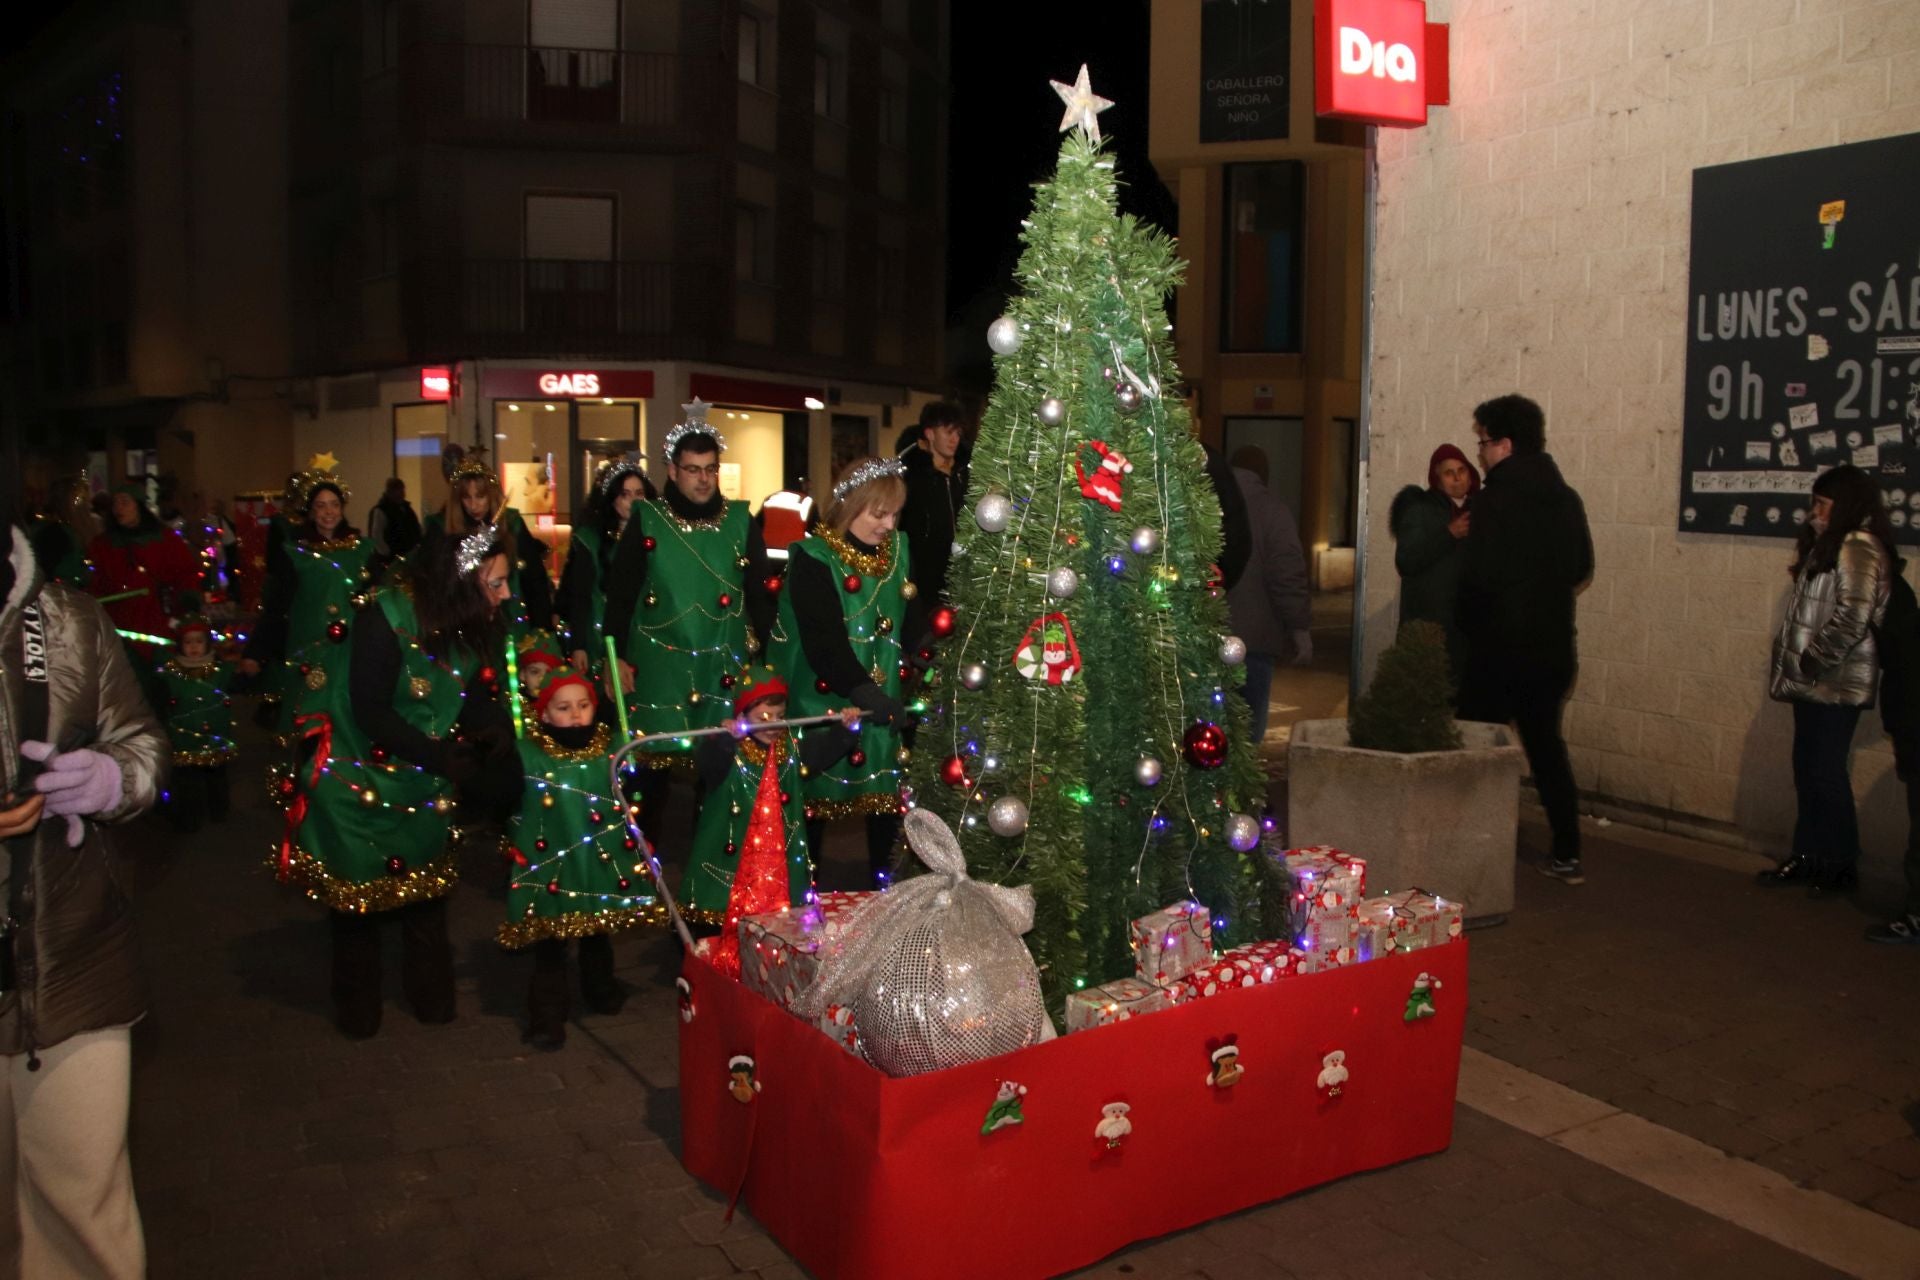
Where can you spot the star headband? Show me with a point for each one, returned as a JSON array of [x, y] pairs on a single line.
[[473, 549], [695, 424], [867, 472]]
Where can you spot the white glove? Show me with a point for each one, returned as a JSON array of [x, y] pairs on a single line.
[[1302, 648]]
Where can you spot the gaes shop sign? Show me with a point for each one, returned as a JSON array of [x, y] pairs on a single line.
[[1378, 61]]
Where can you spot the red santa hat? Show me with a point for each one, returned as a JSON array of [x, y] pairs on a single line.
[[550, 661], [189, 625], [558, 683], [758, 691]]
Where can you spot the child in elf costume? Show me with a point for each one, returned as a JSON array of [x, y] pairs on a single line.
[[575, 871], [733, 774], [191, 689], [536, 666]]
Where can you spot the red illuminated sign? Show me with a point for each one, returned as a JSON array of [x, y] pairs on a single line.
[[1377, 61], [567, 384], [436, 383]]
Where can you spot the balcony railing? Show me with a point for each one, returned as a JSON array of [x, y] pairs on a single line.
[[499, 307], [566, 96]]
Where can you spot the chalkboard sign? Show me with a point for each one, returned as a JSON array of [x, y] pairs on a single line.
[[1245, 52], [1803, 335]]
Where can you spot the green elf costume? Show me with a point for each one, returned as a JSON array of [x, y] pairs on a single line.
[[732, 772], [873, 590], [314, 584], [370, 821], [576, 871], [191, 690]]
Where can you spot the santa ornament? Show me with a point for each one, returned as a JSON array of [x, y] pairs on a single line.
[[1114, 1125], [1333, 1073], [1103, 486], [1047, 651], [1226, 1070]]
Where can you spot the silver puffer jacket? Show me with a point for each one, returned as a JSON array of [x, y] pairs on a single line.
[[1824, 651]]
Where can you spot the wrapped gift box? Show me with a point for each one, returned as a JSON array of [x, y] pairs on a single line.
[[1328, 886], [1407, 921], [1172, 942], [1253, 965], [1115, 1002], [780, 951], [837, 1023]]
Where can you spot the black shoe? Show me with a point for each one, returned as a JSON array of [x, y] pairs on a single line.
[[550, 1038], [1565, 870], [1904, 931], [1795, 870], [357, 1024], [1829, 883]]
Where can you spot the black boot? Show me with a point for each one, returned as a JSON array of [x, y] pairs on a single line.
[[1798, 869], [601, 990], [547, 996], [356, 973], [426, 960], [1832, 883]]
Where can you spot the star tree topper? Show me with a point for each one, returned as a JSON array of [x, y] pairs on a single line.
[[1083, 104]]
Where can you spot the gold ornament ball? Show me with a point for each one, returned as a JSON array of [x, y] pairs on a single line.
[[368, 796], [908, 591]]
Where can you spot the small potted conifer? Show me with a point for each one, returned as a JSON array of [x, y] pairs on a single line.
[[1430, 802]]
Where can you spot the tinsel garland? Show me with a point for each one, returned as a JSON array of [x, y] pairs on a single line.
[[435, 879], [517, 934], [207, 759]]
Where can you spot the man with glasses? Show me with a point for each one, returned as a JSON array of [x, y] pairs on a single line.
[[688, 580], [1528, 554]]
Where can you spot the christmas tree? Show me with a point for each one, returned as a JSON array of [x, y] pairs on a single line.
[[1084, 735]]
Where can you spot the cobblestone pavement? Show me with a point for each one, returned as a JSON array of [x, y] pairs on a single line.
[[266, 1145]]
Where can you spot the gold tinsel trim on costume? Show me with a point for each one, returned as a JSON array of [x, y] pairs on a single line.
[[579, 924], [685, 525], [332, 544], [596, 745], [434, 880], [680, 762], [866, 806], [876, 564], [204, 671], [207, 759], [756, 752]]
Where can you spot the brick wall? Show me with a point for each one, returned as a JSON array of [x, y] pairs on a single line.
[[1533, 237]]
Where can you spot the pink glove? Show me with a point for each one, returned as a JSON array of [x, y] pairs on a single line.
[[77, 784]]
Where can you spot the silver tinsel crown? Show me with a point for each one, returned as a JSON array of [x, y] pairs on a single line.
[[617, 472], [694, 423], [868, 471], [473, 550]]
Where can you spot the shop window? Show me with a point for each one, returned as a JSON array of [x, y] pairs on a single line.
[[749, 53], [1261, 273]]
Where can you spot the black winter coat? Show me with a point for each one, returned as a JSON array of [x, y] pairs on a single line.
[[935, 499], [1528, 552]]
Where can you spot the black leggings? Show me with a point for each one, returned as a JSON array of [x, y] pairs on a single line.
[[426, 965]]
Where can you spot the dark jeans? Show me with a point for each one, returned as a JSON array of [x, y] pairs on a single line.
[[426, 965], [1258, 691], [1827, 831], [1530, 693]]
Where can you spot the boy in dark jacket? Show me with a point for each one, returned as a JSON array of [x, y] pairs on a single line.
[[1528, 554]]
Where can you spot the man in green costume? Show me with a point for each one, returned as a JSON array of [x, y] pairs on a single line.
[[689, 576]]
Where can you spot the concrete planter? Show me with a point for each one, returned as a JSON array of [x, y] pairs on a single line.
[[1443, 821]]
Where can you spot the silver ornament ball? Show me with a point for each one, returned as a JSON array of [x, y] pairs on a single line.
[[1007, 816], [1146, 540], [1127, 399], [974, 676], [1062, 582], [1243, 832], [992, 512], [1052, 412], [1003, 335], [1147, 771], [1233, 650]]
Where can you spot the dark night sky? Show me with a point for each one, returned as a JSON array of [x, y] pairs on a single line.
[[1003, 125]]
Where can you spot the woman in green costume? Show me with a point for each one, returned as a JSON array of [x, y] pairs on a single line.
[[583, 583], [314, 577], [848, 603], [576, 872], [474, 500], [369, 825]]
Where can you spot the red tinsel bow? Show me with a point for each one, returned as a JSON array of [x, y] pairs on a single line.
[[312, 725]]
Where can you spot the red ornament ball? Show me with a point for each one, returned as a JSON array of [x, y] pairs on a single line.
[[631, 844], [651, 543], [380, 755], [540, 845], [773, 585], [287, 786], [851, 582], [732, 848], [786, 797], [857, 758], [594, 817], [488, 675], [821, 686], [336, 631], [954, 772], [726, 682], [625, 884], [1204, 745], [726, 600], [942, 621], [396, 866], [553, 887]]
